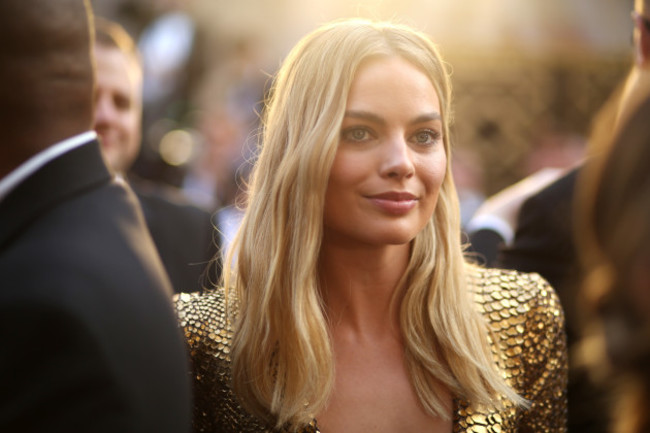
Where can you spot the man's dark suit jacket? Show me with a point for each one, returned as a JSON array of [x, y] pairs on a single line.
[[89, 340], [184, 235], [544, 243]]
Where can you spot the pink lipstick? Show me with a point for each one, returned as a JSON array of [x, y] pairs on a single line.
[[394, 203]]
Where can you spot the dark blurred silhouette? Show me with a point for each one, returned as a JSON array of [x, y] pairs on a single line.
[[89, 339], [614, 243], [543, 223]]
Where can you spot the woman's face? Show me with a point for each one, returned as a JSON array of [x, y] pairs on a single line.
[[391, 160]]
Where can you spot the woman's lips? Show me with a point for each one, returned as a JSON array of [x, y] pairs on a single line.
[[394, 203]]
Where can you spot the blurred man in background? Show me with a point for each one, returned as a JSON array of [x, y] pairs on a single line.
[[183, 233]]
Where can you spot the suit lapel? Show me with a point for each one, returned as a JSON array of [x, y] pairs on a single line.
[[59, 180]]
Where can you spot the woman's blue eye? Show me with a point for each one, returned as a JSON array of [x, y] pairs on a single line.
[[355, 134], [427, 137]]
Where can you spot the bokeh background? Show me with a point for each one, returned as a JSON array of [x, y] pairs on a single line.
[[528, 77]]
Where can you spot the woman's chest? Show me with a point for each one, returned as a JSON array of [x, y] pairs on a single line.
[[373, 392]]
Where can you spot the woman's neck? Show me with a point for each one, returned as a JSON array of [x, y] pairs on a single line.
[[359, 286]]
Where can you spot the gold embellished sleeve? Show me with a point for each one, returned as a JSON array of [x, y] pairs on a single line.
[[545, 358], [528, 338], [205, 324], [194, 317]]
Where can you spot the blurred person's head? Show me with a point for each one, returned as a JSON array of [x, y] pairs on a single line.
[[637, 84], [641, 18], [615, 244], [118, 95], [46, 77]]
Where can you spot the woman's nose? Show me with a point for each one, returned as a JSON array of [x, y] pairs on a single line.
[[397, 160]]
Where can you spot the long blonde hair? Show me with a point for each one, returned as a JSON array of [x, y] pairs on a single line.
[[282, 360]]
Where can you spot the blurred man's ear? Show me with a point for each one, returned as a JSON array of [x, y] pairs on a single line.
[[642, 40]]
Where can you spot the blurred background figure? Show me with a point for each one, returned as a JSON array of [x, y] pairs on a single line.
[[492, 226], [217, 177], [555, 149], [229, 104], [174, 61], [542, 220], [90, 342], [183, 233], [167, 44], [614, 244], [468, 178], [118, 95]]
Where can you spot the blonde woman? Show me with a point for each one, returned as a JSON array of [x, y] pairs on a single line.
[[351, 307]]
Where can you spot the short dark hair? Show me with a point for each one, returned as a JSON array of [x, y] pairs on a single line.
[[56, 98]]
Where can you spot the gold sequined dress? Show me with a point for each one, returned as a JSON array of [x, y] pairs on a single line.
[[522, 309]]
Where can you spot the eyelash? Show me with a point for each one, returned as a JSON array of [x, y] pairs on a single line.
[[434, 135], [347, 134]]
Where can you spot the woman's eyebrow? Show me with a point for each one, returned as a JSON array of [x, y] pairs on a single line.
[[372, 117], [427, 117], [365, 115]]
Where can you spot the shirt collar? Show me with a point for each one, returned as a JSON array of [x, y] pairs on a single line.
[[26, 169]]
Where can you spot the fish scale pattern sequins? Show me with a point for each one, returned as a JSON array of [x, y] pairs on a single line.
[[528, 341], [529, 346]]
